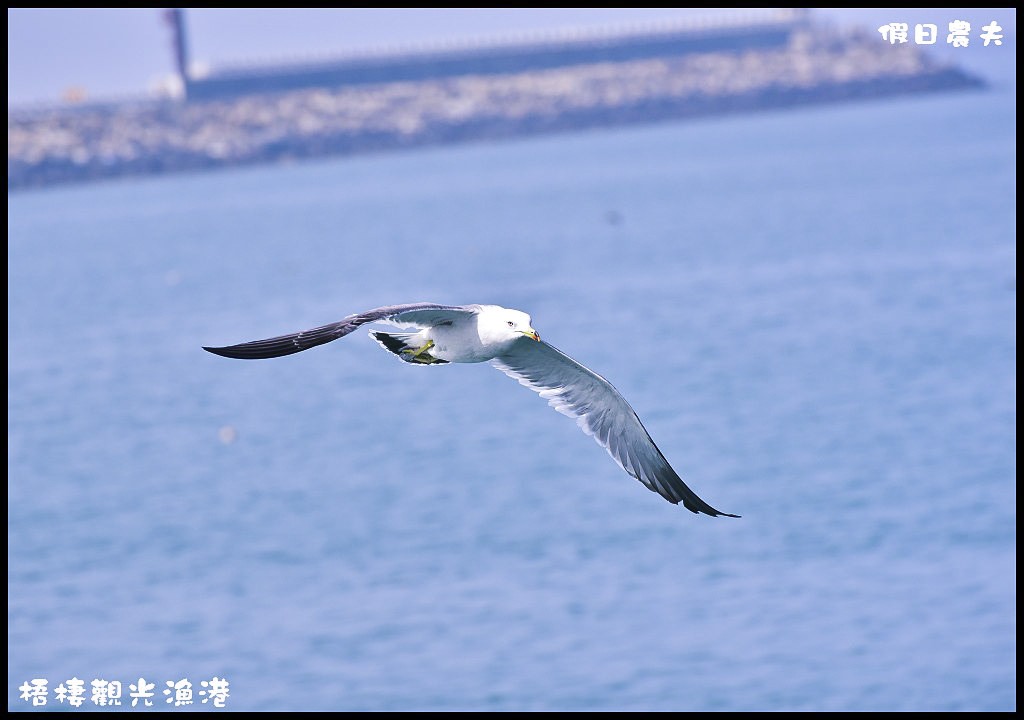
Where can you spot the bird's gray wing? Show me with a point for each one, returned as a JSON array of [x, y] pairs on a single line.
[[423, 315], [410, 315], [600, 411]]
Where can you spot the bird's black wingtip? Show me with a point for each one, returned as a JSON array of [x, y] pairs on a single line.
[[705, 509], [713, 513]]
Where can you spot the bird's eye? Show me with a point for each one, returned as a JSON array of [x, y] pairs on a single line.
[[511, 324]]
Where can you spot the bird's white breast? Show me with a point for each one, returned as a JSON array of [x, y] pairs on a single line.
[[460, 342]]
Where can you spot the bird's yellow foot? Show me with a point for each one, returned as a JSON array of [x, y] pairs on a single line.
[[420, 355]]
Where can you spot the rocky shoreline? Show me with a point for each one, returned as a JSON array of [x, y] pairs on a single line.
[[78, 144]]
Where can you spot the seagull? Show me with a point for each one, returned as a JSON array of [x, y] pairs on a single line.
[[444, 334]]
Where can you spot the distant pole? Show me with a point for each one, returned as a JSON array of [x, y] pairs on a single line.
[[175, 17]]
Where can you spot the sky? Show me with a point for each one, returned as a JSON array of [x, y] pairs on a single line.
[[109, 53]]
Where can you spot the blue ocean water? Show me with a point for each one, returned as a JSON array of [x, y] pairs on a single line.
[[814, 313]]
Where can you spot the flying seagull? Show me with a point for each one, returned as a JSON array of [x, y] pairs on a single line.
[[505, 338]]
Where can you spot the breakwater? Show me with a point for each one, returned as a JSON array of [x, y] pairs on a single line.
[[807, 66]]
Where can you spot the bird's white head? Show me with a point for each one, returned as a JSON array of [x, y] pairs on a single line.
[[498, 324]]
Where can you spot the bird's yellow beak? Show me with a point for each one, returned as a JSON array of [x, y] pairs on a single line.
[[531, 333]]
